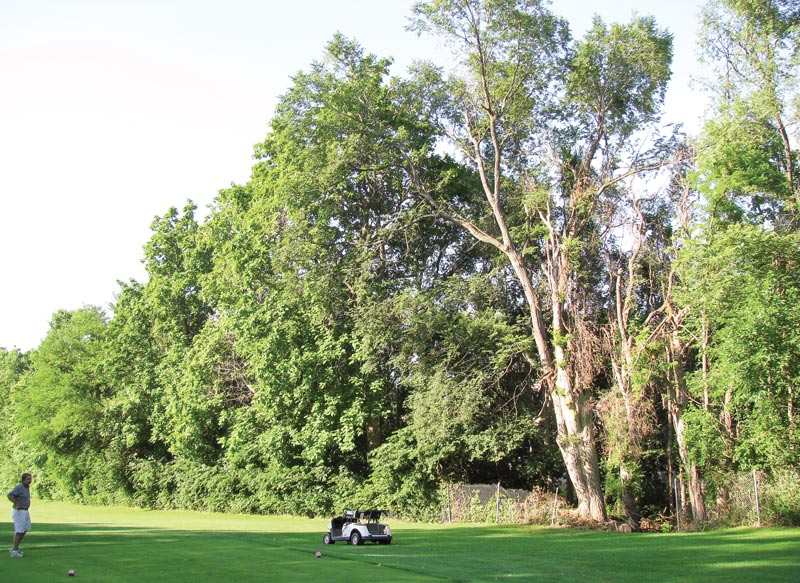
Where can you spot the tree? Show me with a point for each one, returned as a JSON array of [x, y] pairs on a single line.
[[13, 366], [132, 360], [549, 157], [323, 263], [639, 276], [743, 290], [747, 159], [176, 260], [154, 326], [732, 268], [304, 255], [58, 406]]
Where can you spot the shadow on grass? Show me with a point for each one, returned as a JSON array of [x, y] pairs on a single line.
[[556, 555], [468, 554]]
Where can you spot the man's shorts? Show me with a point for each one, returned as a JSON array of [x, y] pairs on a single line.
[[22, 520]]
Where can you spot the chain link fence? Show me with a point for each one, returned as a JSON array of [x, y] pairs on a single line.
[[487, 503], [754, 498], [730, 500], [742, 505]]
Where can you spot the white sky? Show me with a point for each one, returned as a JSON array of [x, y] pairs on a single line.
[[111, 111]]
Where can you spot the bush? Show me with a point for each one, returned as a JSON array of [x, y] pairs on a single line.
[[781, 499], [538, 507]]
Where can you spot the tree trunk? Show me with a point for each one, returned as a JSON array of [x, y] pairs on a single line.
[[628, 500], [574, 422], [694, 481], [576, 442], [574, 419], [629, 450], [695, 486], [622, 365]]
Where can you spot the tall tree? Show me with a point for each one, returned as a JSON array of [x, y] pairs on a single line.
[[734, 267], [745, 296], [546, 125], [323, 265], [639, 279], [58, 406], [176, 260], [324, 232], [132, 360]]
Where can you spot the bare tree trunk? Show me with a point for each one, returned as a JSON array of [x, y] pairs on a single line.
[[695, 487], [787, 149], [574, 418], [624, 357], [694, 481], [576, 442]]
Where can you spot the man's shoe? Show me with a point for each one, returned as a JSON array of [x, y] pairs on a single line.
[[17, 554]]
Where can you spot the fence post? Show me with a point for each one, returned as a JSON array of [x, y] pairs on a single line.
[[497, 506], [449, 506], [758, 502], [555, 503]]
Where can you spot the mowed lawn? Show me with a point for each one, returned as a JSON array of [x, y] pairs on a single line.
[[123, 545]]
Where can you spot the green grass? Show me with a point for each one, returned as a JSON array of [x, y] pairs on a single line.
[[123, 545]]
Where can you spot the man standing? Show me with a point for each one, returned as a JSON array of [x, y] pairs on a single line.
[[21, 497]]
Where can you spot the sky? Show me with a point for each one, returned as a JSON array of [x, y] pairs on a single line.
[[113, 111]]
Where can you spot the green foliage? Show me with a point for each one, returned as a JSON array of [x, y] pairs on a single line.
[[619, 74], [324, 339], [748, 161], [402, 479], [738, 279], [749, 291], [782, 498], [13, 366], [516, 47], [176, 259], [152, 484], [740, 169], [58, 404]]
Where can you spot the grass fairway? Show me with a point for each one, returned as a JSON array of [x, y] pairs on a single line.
[[123, 545]]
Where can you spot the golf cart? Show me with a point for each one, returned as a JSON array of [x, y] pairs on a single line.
[[358, 526]]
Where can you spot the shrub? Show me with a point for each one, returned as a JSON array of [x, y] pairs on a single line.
[[781, 499]]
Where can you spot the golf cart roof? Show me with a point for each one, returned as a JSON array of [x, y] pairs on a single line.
[[365, 514]]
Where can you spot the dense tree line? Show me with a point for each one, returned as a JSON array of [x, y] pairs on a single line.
[[505, 272]]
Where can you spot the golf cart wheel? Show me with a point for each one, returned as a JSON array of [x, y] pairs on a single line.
[[355, 538], [327, 539]]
